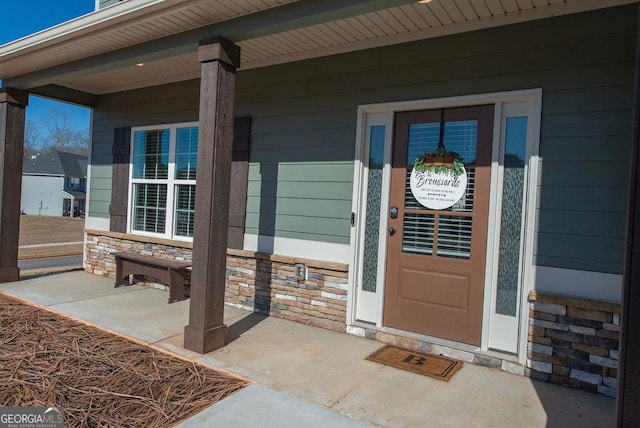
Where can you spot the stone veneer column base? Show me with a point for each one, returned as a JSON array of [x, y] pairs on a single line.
[[574, 342]]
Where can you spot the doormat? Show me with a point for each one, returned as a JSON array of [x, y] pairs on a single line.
[[436, 366]]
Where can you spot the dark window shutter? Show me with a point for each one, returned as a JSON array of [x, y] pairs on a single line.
[[239, 181], [120, 179]]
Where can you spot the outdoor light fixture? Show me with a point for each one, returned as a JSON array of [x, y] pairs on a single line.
[[424, 1], [140, 64]]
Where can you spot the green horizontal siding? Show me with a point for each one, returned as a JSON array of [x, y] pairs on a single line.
[[100, 184], [579, 100], [590, 148], [99, 208], [596, 173], [585, 198], [310, 190], [586, 124], [300, 206], [315, 171], [585, 223], [329, 139], [304, 125], [100, 191], [581, 252], [297, 227]]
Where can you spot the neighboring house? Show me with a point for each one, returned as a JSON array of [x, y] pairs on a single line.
[[54, 184], [517, 263]]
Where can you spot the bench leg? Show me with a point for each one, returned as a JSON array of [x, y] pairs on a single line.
[[176, 285], [119, 279]]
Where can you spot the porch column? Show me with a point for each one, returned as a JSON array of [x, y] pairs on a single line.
[[206, 330], [628, 398], [12, 110]]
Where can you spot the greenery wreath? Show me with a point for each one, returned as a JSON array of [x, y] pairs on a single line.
[[439, 161]]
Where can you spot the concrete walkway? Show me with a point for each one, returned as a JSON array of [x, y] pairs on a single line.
[[307, 376]]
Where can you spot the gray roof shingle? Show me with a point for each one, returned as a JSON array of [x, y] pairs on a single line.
[[57, 163]]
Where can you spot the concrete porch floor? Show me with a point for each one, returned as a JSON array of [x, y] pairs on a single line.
[[307, 376]]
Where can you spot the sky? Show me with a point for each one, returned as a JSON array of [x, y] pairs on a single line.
[[34, 16]]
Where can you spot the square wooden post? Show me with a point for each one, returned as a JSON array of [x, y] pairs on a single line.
[[628, 393], [206, 330], [12, 112]]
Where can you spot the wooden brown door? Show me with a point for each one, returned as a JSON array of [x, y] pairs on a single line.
[[436, 258]]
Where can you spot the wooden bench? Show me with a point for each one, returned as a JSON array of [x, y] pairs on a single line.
[[169, 272]]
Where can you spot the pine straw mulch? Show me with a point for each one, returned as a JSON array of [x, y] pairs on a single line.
[[100, 378]]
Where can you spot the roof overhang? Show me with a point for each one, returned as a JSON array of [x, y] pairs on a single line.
[[75, 194], [102, 52]]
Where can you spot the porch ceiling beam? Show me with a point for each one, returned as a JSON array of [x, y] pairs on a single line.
[[60, 93], [271, 21]]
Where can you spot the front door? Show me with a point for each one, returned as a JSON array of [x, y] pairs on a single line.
[[435, 269]]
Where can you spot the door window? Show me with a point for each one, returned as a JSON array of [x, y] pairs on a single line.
[[432, 232]]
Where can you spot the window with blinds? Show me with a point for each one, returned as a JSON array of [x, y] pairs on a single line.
[[150, 207], [163, 180]]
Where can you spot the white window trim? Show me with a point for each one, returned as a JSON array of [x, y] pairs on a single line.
[[170, 181]]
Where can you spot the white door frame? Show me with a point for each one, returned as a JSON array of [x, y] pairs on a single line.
[[529, 103]]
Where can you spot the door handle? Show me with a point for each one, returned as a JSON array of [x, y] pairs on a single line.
[[392, 230]]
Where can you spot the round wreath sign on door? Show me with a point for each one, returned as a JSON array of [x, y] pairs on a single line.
[[438, 179]]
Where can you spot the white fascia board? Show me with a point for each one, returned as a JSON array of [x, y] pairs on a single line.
[[91, 22]]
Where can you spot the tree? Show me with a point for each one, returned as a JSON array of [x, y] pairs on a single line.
[[61, 135], [31, 139]]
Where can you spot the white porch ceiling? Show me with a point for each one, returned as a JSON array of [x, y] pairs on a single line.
[[161, 18]]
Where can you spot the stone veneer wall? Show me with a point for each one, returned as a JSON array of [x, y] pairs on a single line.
[[574, 342], [256, 282]]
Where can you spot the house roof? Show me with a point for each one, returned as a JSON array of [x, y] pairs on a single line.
[[76, 194], [98, 53], [57, 163]]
